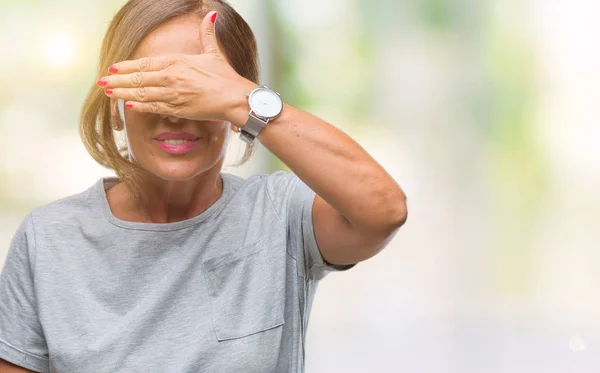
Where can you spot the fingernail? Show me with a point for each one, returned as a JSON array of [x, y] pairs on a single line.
[[213, 19], [108, 91], [129, 105], [113, 69], [102, 82]]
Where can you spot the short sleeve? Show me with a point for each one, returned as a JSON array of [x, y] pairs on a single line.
[[296, 202], [22, 340]]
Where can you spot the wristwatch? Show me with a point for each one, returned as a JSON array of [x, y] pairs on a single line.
[[265, 105]]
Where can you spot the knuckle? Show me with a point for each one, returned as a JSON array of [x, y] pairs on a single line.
[[140, 94], [154, 107], [176, 97], [167, 80], [174, 109], [145, 64], [175, 79], [136, 79]]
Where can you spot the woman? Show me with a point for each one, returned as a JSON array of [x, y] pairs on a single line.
[[175, 266]]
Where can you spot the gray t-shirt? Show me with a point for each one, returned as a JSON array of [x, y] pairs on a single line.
[[229, 290]]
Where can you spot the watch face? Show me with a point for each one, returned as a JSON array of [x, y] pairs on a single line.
[[265, 102]]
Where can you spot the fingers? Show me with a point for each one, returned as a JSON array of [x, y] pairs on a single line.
[[155, 107], [143, 94], [133, 80], [143, 64], [208, 37]]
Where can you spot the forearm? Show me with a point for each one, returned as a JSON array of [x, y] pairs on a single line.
[[336, 167]]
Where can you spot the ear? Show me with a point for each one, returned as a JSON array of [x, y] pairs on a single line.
[[115, 116]]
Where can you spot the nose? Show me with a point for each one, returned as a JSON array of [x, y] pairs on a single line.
[[170, 118]]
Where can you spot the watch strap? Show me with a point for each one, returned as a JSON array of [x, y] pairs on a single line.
[[252, 128]]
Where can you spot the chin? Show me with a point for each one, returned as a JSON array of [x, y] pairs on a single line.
[[177, 170]]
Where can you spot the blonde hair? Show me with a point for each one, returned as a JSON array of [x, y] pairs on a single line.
[[135, 20]]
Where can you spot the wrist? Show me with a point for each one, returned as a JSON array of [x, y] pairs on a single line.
[[238, 108]]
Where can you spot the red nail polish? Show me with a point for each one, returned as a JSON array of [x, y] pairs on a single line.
[[113, 69], [129, 105], [102, 82], [213, 19], [108, 91]]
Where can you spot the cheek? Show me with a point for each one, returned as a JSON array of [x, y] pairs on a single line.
[[219, 137], [138, 125], [137, 135], [136, 119]]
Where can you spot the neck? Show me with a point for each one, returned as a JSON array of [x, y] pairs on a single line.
[[168, 201]]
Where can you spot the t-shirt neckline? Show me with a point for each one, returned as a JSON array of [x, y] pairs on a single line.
[[107, 182]]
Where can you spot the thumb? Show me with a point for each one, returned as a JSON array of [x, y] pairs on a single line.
[[208, 37]]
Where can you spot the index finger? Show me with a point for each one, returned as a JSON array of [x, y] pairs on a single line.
[[142, 64]]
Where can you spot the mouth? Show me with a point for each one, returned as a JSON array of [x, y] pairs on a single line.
[[176, 136], [176, 143]]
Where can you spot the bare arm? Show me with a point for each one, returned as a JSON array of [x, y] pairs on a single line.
[[358, 207], [7, 367]]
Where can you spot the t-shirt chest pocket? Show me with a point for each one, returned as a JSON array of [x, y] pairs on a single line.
[[245, 297]]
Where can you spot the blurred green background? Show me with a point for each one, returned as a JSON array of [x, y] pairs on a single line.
[[486, 112]]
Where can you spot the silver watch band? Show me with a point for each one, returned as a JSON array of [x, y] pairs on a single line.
[[252, 128]]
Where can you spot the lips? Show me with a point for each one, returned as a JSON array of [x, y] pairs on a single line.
[[176, 136], [176, 142]]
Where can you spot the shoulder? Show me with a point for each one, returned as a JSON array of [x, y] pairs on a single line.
[[274, 188], [69, 209], [55, 217], [276, 184], [263, 180]]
